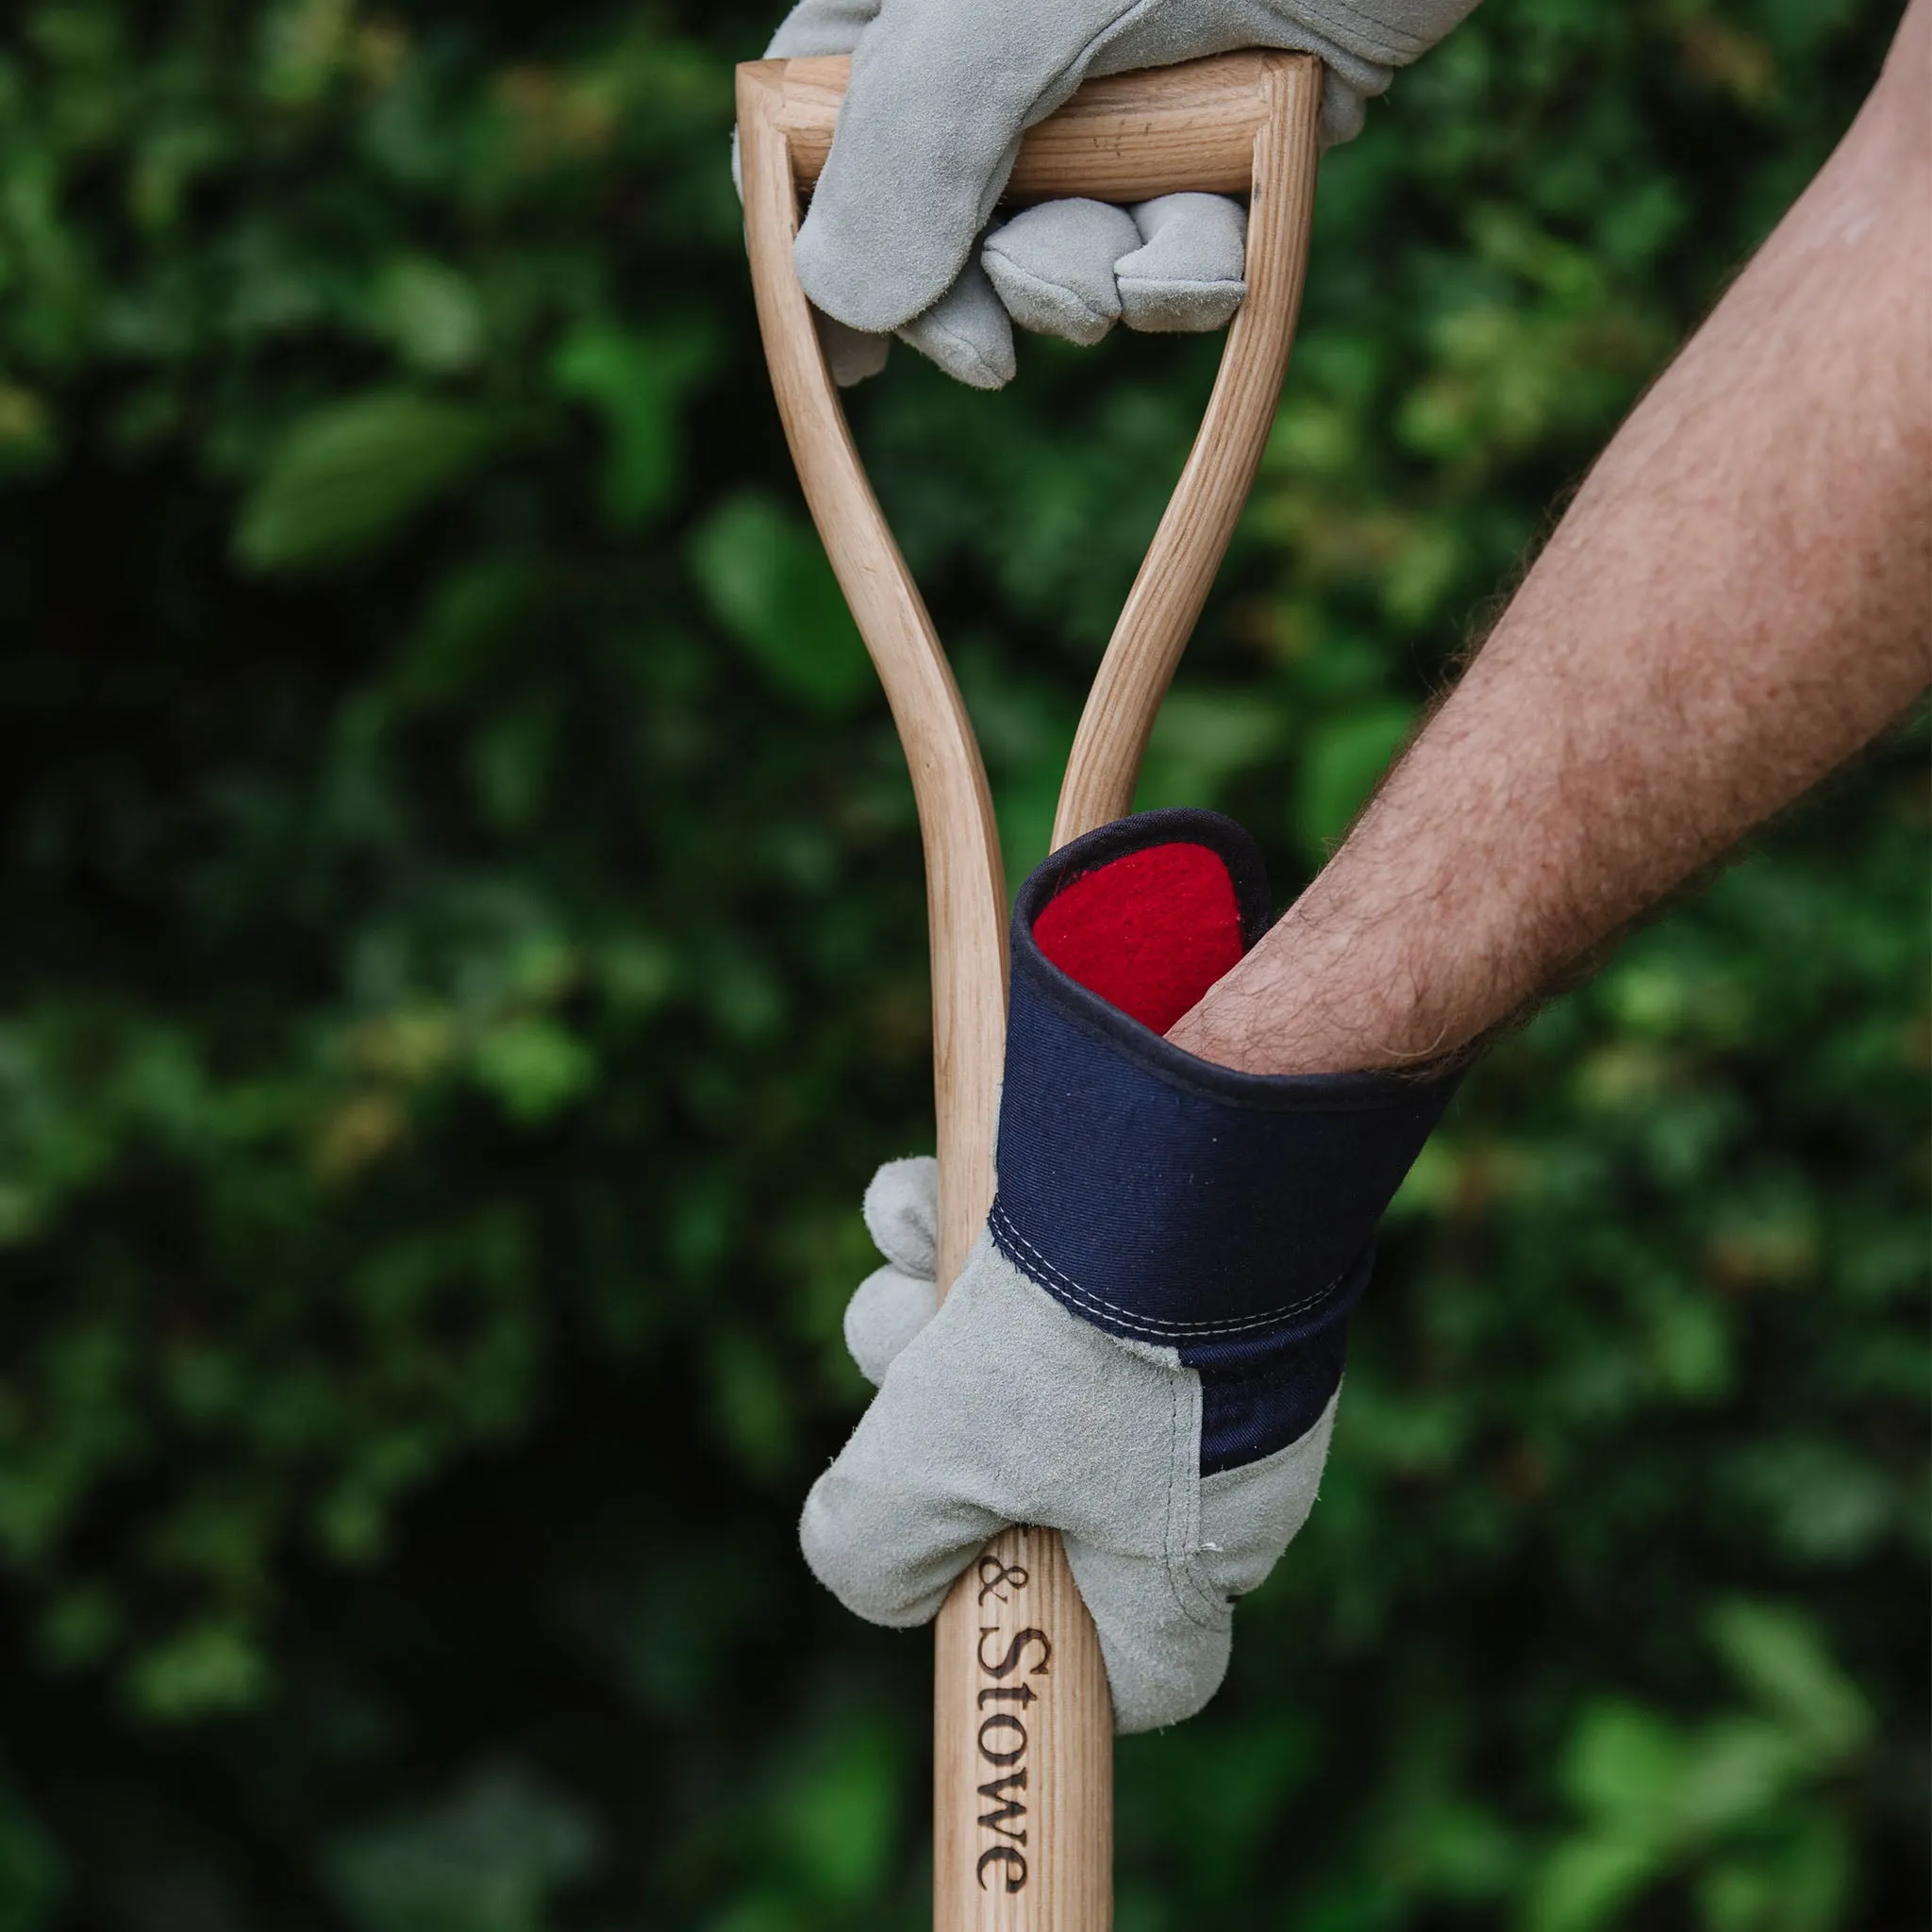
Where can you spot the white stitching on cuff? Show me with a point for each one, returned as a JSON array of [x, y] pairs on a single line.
[[1003, 1225]]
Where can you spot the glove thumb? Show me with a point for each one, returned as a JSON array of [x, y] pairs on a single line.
[[927, 139], [885, 1311], [891, 1305], [902, 1213]]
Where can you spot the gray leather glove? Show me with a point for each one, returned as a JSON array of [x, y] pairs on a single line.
[[941, 91], [1002, 1406], [1145, 1349]]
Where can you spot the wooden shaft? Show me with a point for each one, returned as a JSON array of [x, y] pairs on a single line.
[[1023, 1765], [965, 886], [1178, 569], [1059, 1874]]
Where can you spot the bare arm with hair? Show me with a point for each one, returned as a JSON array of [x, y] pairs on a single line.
[[1739, 598]]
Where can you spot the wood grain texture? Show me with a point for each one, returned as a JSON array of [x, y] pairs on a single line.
[[1175, 577], [1023, 1748], [1022, 1723], [965, 886], [1126, 138]]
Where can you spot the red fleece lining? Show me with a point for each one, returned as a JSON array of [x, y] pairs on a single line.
[[1149, 933]]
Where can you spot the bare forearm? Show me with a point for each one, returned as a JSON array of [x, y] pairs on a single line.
[[1736, 602]]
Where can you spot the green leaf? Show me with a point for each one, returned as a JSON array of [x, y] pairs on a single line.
[[207, 1667], [303, 44], [535, 1066], [1777, 1655], [1344, 759], [431, 314], [1798, 1878], [768, 583], [1202, 741], [347, 476], [1624, 1761], [1469, 1852], [1587, 1882], [839, 1816], [1825, 1500], [637, 383], [1741, 1770]]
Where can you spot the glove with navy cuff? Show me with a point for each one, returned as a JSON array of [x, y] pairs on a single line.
[[1146, 1346]]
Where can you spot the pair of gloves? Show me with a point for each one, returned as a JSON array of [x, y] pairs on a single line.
[[895, 241], [1146, 1347]]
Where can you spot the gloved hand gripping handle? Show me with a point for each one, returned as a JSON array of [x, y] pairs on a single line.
[[1022, 1745], [1130, 137]]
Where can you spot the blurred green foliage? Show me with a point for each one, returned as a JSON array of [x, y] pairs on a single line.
[[464, 956]]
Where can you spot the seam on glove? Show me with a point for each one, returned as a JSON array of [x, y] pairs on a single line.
[[1383, 35], [1072, 296], [1182, 284], [1176, 1564], [1069, 77], [1267, 1371], [967, 351], [1004, 1231], [1219, 1607]]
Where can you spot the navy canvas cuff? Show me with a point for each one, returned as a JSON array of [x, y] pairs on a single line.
[[1167, 1200]]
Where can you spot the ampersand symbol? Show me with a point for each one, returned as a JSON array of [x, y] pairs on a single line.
[[1002, 1573]]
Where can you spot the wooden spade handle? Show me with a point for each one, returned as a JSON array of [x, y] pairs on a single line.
[[1022, 1764], [1127, 137]]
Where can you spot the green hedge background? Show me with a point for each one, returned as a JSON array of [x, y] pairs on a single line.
[[464, 956]]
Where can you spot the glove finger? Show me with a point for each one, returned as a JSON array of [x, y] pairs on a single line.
[[1345, 111], [1165, 1634], [1052, 267], [818, 26], [1166, 1620], [1251, 1513], [967, 332], [1003, 1408], [926, 138], [822, 26], [852, 355], [902, 1213], [887, 1309], [884, 1530], [1185, 275]]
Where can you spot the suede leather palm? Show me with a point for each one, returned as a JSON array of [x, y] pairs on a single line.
[[942, 91], [1146, 1346]]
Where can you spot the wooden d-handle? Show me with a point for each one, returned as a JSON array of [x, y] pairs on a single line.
[[1023, 1765], [1127, 137]]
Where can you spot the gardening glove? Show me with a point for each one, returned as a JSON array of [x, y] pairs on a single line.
[[1144, 1348], [939, 93]]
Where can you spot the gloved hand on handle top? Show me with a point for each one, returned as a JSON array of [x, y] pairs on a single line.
[[942, 91], [1146, 1347]]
